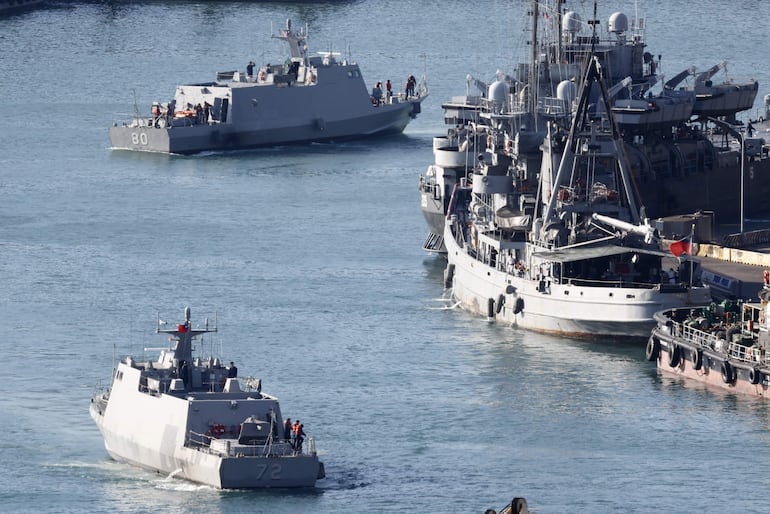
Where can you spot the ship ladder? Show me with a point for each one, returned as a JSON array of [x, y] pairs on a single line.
[[433, 242]]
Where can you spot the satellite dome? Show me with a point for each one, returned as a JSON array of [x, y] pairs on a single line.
[[572, 22], [498, 90], [618, 23]]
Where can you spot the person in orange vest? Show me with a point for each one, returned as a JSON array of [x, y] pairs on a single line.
[[300, 438], [294, 433]]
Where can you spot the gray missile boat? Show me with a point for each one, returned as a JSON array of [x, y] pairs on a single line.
[[307, 99], [193, 418]]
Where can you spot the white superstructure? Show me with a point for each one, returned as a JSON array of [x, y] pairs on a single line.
[[574, 257]]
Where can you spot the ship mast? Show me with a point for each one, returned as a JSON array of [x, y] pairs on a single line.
[[533, 63], [581, 141]]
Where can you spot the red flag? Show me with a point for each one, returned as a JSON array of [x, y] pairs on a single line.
[[681, 246]]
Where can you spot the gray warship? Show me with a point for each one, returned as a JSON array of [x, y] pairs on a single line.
[[307, 99], [686, 147], [194, 419]]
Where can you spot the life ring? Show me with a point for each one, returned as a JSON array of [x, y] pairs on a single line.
[[696, 358], [727, 373], [653, 349], [673, 355], [754, 376]]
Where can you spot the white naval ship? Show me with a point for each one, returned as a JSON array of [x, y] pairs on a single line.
[[189, 417], [574, 257], [307, 99]]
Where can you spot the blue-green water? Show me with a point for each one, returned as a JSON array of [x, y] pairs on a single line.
[[311, 258]]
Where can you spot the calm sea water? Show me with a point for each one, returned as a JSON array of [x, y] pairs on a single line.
[[311, 258]]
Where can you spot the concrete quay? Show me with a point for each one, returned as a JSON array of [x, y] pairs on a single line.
[[734, 267]]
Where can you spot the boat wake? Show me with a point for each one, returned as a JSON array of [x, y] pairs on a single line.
[[172, 483], [449, 304]]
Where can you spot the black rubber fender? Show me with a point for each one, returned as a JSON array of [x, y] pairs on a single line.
[[500, 303], [754, 376], [727, 373], [491, 308], [674, 355], [696, 358], [519, 306], [653, 349]]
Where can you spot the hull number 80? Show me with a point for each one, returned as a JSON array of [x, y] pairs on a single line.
[[138, 138]]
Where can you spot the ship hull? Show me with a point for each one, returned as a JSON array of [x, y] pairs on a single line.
[[560, 309], [711, 370], [174, 459], [172, 434], [716, 190], [214, 137]]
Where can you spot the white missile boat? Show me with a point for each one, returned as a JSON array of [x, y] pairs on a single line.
[[193, 418]]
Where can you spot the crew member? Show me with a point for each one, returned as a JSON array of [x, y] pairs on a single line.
[[377, 94]]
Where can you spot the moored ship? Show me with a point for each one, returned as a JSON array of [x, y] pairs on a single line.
[[573, 256], [723, 345], [191, 418], [678, 138], [307, 99]]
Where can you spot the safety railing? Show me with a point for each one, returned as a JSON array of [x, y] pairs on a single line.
[[734, 349], [229, 447]]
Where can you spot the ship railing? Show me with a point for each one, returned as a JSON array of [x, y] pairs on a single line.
[[311, 446], [553, 106], [229, 446], [749, 354], [429, 185], [700, 337], [735, 350], [607, 282]]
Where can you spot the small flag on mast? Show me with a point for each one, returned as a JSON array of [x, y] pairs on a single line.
[[683, 246]]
